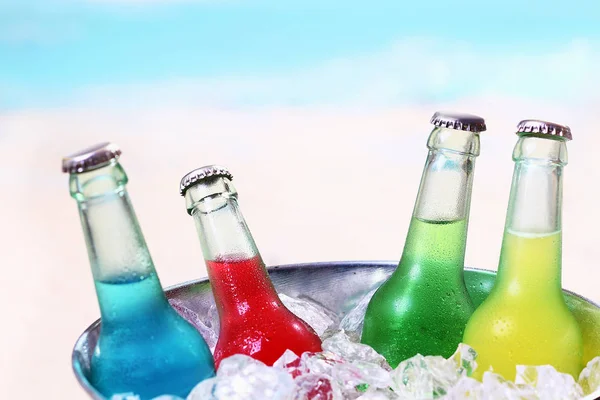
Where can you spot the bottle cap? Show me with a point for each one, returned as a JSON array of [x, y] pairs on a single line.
[[544, 128], [209, 171], [91, 158], [462, 122]]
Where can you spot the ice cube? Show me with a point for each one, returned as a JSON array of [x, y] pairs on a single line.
[[496, 387], [352, 322], [240, 377], [212, 318], [290, 363], [320, 363], [548, 382], [210, 335], [432, 376], [310, 312], [413, 378], [465, 388], [464, 358], [315, 383], [330, 313], [358, 377], [341, 345], [353, 367], [378, 395], [589, 379], [317, 387]]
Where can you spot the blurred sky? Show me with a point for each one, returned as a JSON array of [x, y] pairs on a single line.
[[269, 52]]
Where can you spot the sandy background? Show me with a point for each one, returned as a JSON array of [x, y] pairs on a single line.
[[315, 185]]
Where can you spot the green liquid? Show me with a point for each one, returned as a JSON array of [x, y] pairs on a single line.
[[424, 306]]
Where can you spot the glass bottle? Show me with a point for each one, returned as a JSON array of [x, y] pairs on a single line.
[[253, 320], [144, 346], [424, 305], [525, 319]]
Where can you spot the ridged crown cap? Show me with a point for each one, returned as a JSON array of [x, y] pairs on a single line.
[[91, 158], [544, 128], [458, 121], [195, 176]]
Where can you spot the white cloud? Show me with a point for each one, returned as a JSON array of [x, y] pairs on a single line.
[[416, 70]]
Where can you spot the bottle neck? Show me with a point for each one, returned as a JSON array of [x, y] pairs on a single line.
[[532, 244], [116, 247], [439, 225], [447, 180], [237, 273], [535, 204], [222, 229]]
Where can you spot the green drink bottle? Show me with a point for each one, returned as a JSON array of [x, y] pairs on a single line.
[[424, 306]]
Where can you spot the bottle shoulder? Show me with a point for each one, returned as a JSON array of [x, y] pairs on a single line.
[[537, 314]]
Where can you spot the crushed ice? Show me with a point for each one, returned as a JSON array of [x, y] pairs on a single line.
[[346, 369], [207, 328], [314, 314]]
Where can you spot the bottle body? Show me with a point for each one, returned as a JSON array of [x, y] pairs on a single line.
[[253, 320], [152, 351], [525, 320], [424, 305], [144, 346]]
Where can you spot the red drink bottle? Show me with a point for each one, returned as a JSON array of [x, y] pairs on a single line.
[[253, 320]]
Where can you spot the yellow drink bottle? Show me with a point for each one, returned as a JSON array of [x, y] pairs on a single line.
[[525, 320]]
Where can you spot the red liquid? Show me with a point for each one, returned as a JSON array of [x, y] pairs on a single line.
[[253, 321]]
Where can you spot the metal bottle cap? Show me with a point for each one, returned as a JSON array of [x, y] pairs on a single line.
[[545, 128], [462, 122], [91, 158], [208, 171]]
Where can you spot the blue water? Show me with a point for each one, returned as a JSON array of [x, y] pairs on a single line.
[[144, 346]]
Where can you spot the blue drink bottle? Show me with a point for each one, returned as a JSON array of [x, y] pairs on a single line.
[[144, 346]]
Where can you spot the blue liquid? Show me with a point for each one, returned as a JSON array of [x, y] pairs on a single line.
[[144, 346]]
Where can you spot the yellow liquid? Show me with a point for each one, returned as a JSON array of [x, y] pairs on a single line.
[[525, 320]]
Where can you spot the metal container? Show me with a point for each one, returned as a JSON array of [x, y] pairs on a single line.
[[336, 285]]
